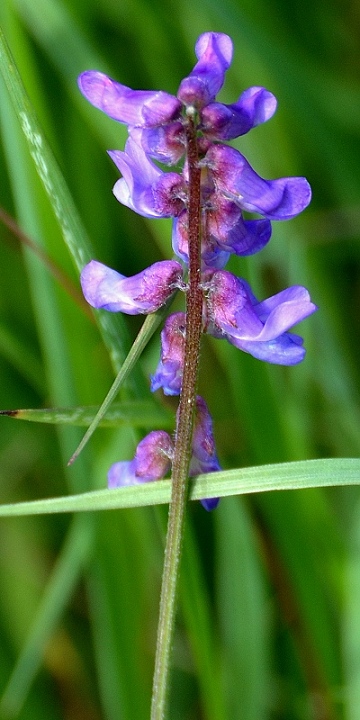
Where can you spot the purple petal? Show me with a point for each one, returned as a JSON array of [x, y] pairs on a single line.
[[260, 104], [293, 306], [214, 52], [152, 461], [165, 143], [132, 107], [285, 350], [122, 474], [143, 293], [212, 254], [226, 122], [169, 372], [230, 307], [204, 458], [144, 187], [236, 312], [232, 232], [279, 199], [210, 503], [153, 455], [135, 188]]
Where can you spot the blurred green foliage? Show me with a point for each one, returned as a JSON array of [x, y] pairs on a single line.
[[269, 618]]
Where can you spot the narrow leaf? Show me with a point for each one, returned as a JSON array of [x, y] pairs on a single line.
[[284, 476], [136, 413], [148, 328]]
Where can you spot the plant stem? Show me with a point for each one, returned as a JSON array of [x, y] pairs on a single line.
[[184, 431]]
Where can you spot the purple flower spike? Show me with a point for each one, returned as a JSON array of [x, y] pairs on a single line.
[[169, 373], [147, 108], [214, 52], [143, 293], [192, 127], [204, 458], [145, 188], [226, 122], [258, 328], [152, 461], [234, 177]]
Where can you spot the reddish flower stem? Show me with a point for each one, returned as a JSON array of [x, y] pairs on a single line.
[[184, 432]]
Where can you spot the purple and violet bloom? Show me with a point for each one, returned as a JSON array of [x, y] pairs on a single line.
[[156, 123], [154, 453], [143, 293]]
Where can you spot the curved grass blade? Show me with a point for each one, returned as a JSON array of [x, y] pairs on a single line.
[[306, 474], [112, 327], [148, 328]]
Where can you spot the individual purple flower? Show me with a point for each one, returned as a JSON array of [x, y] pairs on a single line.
[[152, 461], [204, 458], [226, 122], [145, 188], [232, 233], [212, 253], [234, 178], [214, 52], [169, 372], [143, 293], [225, 232], [154, 454], [259, 328], [165, 143]]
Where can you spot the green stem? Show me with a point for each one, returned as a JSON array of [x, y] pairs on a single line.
[[184, 431]]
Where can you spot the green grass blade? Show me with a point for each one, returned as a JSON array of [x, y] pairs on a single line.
[[264, 478], [138, 413], [150, 325], [196, 603], [242, 608], [74, 235]]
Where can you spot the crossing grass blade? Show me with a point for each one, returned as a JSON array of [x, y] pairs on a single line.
[[265, 478]]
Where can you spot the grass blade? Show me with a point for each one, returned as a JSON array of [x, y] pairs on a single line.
[[264, 478]]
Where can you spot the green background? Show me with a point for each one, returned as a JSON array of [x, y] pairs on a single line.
[[269, 616]]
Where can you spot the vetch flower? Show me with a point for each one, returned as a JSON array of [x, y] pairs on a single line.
[[259, 328], [204, 458], [214, 52], [145, 188], [225, 232], [143, 293], [169, 372], [154, 454], [234, 178], [152, 461], [226, 122]]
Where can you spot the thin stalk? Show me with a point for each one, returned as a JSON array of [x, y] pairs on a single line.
[[184, 431]]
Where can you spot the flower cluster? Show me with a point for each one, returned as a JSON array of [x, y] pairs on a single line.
[[230, 187]]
